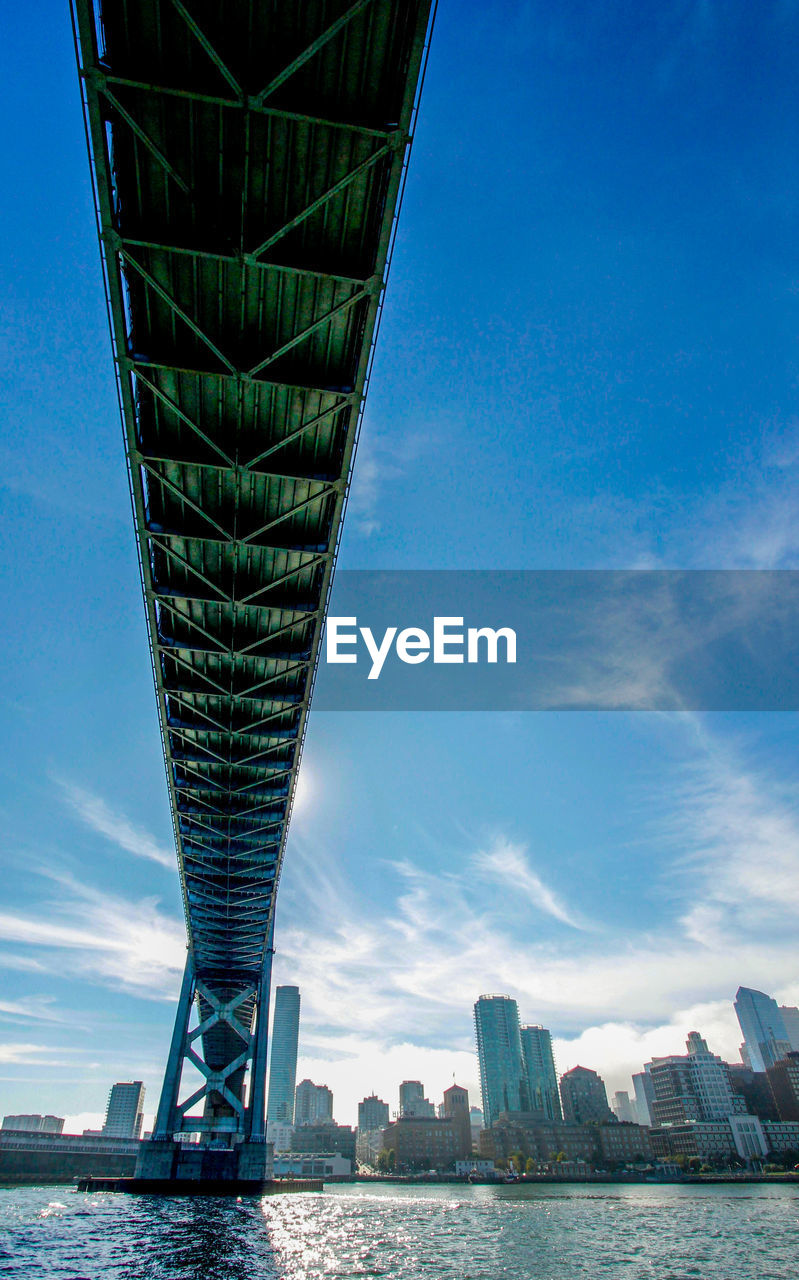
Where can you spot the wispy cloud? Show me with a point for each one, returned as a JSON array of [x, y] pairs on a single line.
[[379, 984], [115, 826], [34, 1009], [383, 460], [129, 944], [507, 864]]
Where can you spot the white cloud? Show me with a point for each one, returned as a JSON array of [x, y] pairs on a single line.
[[507, 864], [99, 817], [404, 977], [34, 1009], [103, 938]]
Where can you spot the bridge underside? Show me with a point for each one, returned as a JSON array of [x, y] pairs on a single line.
[[247, 161]]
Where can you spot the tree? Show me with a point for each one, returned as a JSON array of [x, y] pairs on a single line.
[[392, 1159], [530, 1165], [501, 1163]]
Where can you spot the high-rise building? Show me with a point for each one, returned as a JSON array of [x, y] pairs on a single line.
[[644, 1097], [539, 1065], [693, 1086], [313, 1104], [372, 1114], [477, 1124], [412, 1101], [790, 1020], [754, 1088], [456, 1109], [766, 1038], [584, 1097], [503, 1080], [123, 1117], [283, 1059], [783, 1078], [622, 1107], [34, 1124]]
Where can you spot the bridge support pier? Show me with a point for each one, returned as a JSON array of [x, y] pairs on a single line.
[[232, 1031]]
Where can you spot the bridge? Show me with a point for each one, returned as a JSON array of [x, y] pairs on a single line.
[[248, 160]]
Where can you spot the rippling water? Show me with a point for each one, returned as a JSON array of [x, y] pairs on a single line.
[[470, 1233]]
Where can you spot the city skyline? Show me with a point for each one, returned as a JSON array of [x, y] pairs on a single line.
[[613, 372], [318, 1102]]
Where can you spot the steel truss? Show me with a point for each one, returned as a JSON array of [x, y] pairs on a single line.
[[247, 161]]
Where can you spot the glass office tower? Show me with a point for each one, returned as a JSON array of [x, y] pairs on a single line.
[[766, 1038], [283, 1061], [542, 1079], [499, 1049]]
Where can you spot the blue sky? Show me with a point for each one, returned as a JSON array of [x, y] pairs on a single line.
[[587, 359]]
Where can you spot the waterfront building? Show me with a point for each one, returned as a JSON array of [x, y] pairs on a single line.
[[123, 1117], [644, 1097], [324, 1137], [622, 1107], [372, 1113], [313, 1103], [783, 1079], [34, 1124], [584, 1097], [692, 1086], [622, 1143], [421, 1143], [765, 1034], [283, 1059], [539, 1067], [503, 1080], [41, 1157], [456, 1108], [322, 1164], [781, 1135], [538, 1138], [412, 1101]]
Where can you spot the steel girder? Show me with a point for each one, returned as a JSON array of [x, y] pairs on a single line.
[[247, 162]]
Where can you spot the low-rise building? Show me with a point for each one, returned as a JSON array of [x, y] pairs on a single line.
[[781, 1135], [319, 1164], [422, 1142], [279, 1134], [484, 1167], [708, 1140], [624, 1143], [34, 1124], [310, 1138], [542, 1140]]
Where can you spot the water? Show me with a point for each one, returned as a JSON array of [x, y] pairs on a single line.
[[750, 1232]]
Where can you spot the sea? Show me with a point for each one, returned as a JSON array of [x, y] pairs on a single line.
[[524, 1232]]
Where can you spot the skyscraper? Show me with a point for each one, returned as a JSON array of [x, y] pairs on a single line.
[[692, 1086], [622, 1107], [313, 1103], [503, 1081], [584, 1096], [412, 1101], [644, 1097], [766, 1038], [790, 1018], [372, 1114], [539, 1064], [283, 1061], [123, 1117]]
